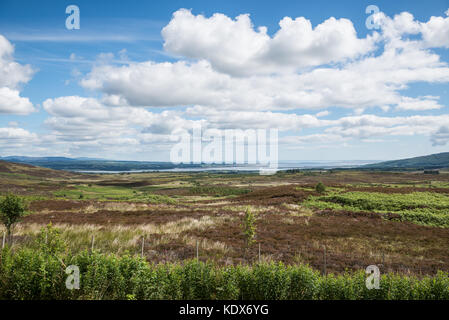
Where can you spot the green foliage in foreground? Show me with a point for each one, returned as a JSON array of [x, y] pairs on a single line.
[[426, 208], [39, 273]]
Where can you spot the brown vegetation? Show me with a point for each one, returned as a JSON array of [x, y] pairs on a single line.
[[286, 231]]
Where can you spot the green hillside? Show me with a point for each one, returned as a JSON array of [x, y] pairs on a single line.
[[433, 161]]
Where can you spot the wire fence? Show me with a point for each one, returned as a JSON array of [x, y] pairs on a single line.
[[386, 261], [321, 257]]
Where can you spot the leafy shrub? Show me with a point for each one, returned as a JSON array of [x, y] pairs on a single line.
[[157, 199], [49, 241], [304, 283], [248, 227], [12, 209], [39, 273], [320, 187]]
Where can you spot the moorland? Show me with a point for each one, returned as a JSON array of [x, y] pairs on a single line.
[[397, 220]]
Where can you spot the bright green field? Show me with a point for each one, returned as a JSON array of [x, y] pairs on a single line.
[[90, 192], [426, 208]]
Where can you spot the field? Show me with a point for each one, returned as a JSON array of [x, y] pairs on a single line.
[[398, 221]]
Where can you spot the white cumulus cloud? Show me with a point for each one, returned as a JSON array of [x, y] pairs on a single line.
[[12, 74], [233, 45]]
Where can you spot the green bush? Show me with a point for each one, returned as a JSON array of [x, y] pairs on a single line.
[[320, 187], [248, 227], [12, 209], [157, 199], [38, 272]]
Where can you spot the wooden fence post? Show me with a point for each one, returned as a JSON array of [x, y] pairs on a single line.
[[143, 246], [325, 261], [93, 242], [197, 252]]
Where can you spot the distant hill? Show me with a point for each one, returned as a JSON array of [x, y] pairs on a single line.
[[433, 161], [12, 168], [88, 164], [24, 159]]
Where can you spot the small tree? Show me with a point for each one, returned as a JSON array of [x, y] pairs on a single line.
[[249, 229], [49, 240], [12, 209], [320, 187]]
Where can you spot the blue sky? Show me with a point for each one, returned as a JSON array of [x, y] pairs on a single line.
[[121, 88]]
